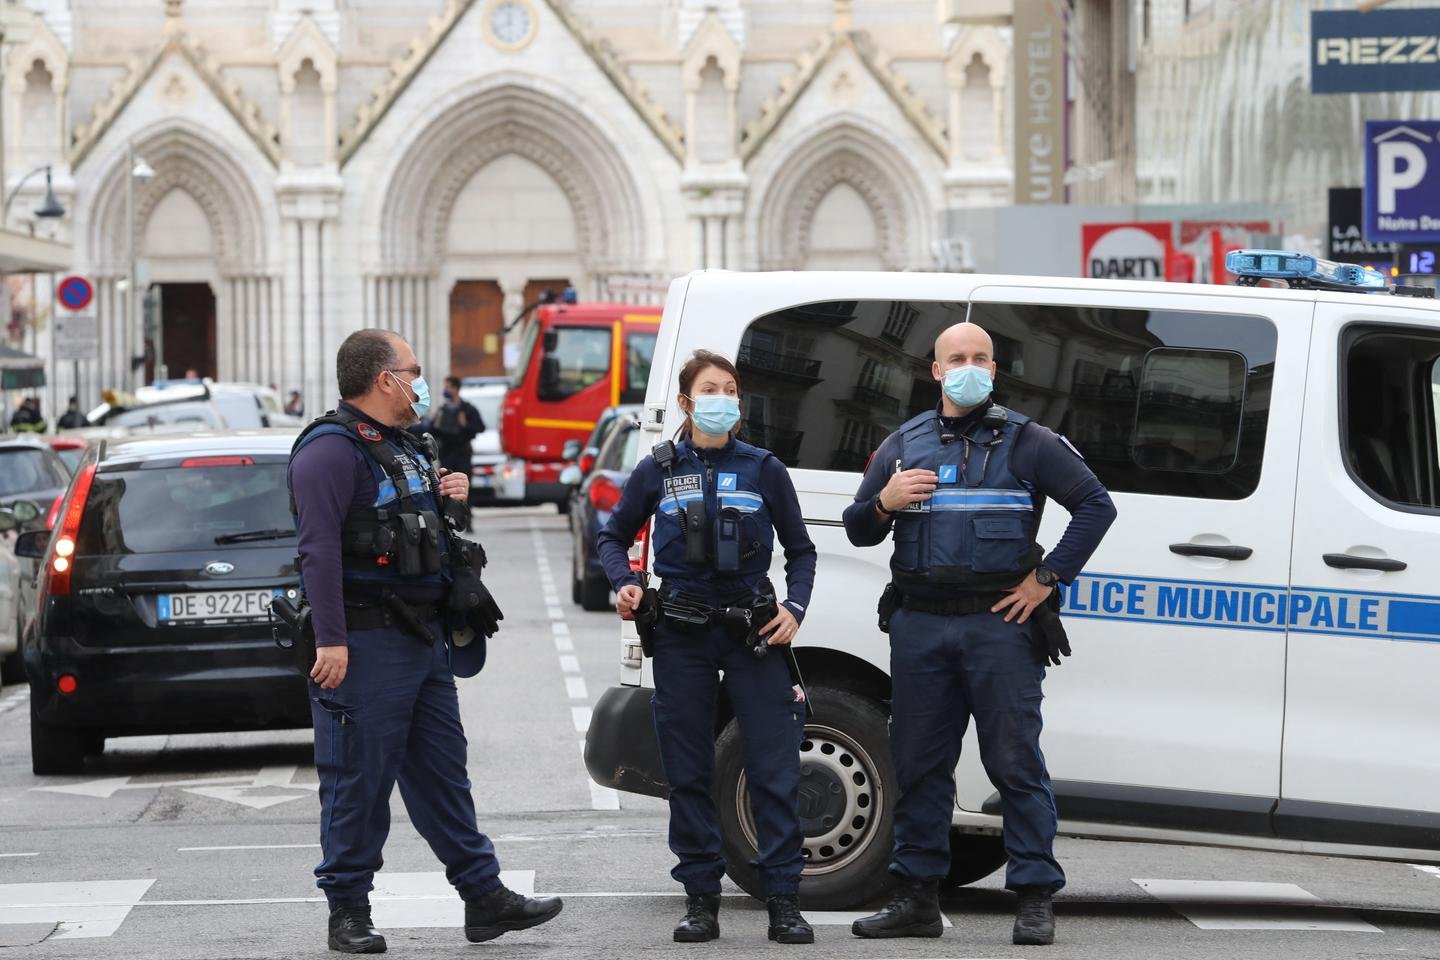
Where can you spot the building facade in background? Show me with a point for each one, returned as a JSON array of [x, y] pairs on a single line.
[[313, 166]]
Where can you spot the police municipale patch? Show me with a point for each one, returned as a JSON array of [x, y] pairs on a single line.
[[373, 435]]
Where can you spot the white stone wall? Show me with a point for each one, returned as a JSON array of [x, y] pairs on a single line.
[[562, 158]]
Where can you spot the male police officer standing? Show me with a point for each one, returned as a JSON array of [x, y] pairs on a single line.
[[372, 555], [963, 487]]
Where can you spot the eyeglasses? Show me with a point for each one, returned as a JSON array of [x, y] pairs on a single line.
[[415, 370]]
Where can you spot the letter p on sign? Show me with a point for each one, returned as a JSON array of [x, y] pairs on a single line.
[[1401, 166]]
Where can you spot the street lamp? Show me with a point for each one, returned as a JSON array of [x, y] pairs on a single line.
[[50, 209], [136, 169]]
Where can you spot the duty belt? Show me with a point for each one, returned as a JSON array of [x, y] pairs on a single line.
[[388, 610], [958, 605], [679, 607]]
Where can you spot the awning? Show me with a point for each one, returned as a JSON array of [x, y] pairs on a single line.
[[21, 253]]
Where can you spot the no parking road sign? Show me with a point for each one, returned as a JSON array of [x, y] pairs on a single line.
[[74, 293]]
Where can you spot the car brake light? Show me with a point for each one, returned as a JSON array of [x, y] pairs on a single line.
[[218, 462], [67, 684], [640, 550], [63, 546], [604, 494], [586, 463]]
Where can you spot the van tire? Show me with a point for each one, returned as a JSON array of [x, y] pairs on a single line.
[[56, 750], [849, 734], [974, 856]]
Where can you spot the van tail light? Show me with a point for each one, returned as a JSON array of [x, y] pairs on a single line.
[[640, 549], [61, 557], [604, 494]]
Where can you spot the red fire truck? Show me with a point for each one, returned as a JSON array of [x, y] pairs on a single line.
[[575, 360]]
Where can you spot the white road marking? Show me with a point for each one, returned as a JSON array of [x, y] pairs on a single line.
[[254, 846], [235, 789], [1246, 905], [560, 628], [581, 717], [3, 855], [575, 688], [1427, 868], [553, 611], [569, 663], [601, 798], [81, 910], [404, 901], [564, 644]]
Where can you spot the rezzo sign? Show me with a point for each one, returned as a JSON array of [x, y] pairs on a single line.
[[1402, 181]]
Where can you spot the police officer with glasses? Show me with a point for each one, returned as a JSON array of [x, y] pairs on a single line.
[[380, 575], [972, 616], [718, 505]]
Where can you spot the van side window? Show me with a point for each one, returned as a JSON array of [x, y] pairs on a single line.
[[1391, 379], [1159, 402]]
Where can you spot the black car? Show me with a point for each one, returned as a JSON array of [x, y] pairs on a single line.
[[154, 591], [590, 506]]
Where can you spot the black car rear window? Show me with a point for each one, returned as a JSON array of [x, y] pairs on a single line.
[[183, 508], [25, 471]]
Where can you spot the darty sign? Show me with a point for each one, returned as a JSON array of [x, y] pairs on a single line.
[[1125, 251]]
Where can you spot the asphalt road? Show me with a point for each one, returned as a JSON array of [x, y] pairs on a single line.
[[203, 846]]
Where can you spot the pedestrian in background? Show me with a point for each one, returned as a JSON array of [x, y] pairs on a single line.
[[383, 697], [27, 418], [72, 418], [295, 405], [748, 499], [455, 423], [971, 616]]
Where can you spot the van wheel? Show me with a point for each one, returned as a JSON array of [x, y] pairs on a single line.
[[974, 856], [57, 749], [847, 798]]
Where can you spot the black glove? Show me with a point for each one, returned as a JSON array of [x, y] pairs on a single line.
[[1048, 634]]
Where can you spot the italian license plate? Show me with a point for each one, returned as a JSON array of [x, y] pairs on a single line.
[[214, 605]]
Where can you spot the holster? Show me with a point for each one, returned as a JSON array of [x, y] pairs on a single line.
[[885, 609], [647, 617], [291, 629]]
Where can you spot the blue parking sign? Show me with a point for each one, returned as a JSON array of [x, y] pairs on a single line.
[[1402, 181]]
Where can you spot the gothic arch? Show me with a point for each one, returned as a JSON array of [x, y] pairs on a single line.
[[842, 152], [494, 121], [183, 158]]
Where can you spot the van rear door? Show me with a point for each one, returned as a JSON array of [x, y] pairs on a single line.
[[1360, 728]]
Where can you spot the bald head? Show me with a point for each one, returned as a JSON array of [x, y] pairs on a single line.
[[963, 343]]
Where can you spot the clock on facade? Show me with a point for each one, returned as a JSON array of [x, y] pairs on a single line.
[[510, 24]]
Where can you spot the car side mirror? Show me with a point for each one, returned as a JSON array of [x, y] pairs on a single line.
[[551, 340], [25, 510], [570, 476], [32, 544], [571, 450], [549, 386]]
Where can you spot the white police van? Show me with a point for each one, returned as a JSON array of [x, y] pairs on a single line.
[[1257, 640]]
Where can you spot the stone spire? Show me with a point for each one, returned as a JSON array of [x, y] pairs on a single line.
[[174, 16], [844, 16]]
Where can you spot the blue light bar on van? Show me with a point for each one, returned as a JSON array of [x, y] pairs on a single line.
[[1257, 265]]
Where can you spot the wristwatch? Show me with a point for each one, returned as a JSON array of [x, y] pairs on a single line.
[[879, 505], [1045, 577]]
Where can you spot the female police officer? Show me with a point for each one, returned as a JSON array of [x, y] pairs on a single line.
[[718, 504]]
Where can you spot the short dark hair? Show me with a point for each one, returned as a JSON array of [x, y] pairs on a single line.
[[452, 382], [363, 356]]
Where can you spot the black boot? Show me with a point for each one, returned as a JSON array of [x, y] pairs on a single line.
[[786, 923], [1034, 917], [352, 932], [913, 911], [503, 910], [702, 920]]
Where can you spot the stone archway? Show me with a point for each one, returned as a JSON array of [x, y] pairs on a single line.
[[850, 159], [235, 266], [499, 126]]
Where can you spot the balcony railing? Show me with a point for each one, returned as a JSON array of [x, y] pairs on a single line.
[[785, 444], [785, 364]]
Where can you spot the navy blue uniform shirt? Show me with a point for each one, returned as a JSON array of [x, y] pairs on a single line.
[[1041, 460], [642, 496], [329, 477]]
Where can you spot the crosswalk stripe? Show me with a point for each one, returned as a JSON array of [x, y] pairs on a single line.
[[404, 901], [80, 910], [1247, 905]]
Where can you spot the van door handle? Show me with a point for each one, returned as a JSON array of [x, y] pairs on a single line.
[[1348, 561], [1220, 551]]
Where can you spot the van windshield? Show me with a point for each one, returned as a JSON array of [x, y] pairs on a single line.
[[527, 347]]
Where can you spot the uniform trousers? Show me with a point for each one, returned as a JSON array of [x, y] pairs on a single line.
[[687, 664], [394, 718], [945, 670]]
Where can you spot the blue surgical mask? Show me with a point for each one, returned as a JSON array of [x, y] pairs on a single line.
[[715, 414], [968, 386], [421, 389]]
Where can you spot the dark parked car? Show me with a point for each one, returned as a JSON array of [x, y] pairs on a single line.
[[30, 472], [590, 505], [154, 590]]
